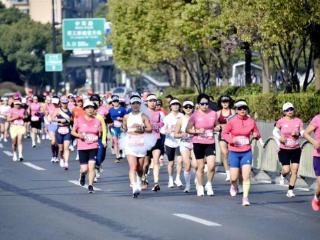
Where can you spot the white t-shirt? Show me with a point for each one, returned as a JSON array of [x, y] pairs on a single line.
[[4, 110], [170, 122]]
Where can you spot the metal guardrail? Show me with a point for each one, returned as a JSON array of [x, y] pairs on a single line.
[[265, 158]]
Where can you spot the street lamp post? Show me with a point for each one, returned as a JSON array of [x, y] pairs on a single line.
[[92, 55], [53, 44]]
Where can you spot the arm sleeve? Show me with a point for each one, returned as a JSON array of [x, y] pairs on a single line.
[[276, 133]]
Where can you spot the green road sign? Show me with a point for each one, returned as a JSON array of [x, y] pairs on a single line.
[[83, 33], [53, 62]]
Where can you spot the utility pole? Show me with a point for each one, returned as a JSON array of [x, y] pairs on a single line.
[[92, 56], [53, 44]]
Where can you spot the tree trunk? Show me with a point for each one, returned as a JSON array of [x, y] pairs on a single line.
[[265, 73], [314, 37], [248, 60]]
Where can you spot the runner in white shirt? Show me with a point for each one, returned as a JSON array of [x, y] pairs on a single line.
[[171, 143], [4, 124]]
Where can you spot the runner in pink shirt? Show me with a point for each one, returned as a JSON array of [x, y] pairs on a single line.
[[287, 131], [87, 129], [16, 118], [154, 154], [237, 133], [51, 113], [314, 126], [202, 124]]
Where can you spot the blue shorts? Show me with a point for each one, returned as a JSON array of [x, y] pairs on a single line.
[[238, 159], [115, 131], [60, 138]]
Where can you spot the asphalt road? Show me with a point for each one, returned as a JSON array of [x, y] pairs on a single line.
[[42, 201]]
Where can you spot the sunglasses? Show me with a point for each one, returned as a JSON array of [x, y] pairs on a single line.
[[204, 103], [188, 107], [115, 101], [152, 100], [175, 104], [242, 108], [289, 110]]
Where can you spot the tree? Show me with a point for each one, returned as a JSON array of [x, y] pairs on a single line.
[[181, 34]]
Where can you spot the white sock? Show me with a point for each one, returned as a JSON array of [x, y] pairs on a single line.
[[187, 177]]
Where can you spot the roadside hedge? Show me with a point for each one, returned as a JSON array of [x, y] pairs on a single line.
[[268, 107]]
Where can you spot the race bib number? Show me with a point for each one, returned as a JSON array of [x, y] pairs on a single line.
[[291, 142], [208, 134], [155, 127], [136, 140], [35, 118], [63, 130], [18, 122], [241, 141], [91, 138], [117, 123]]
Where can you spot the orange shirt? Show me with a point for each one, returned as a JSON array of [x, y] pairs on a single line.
[[77, 112]]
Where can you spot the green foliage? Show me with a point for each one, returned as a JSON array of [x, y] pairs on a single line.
[[269, 106], [234, 91], [178, 91]]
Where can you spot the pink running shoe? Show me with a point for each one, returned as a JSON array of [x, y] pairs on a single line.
[[245, 202], [315, 203]]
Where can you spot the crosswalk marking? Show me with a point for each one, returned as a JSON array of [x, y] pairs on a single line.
[[29, 164]]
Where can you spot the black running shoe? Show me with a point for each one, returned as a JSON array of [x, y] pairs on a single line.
[[156, 187], [21, 159], [90, 189], [82, 179], [117, 160]]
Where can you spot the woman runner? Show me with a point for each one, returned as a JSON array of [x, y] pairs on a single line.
[[87, 129], [314, 127], [34, 111], [137, 142], [51, 113], [186, 146], [237, 133], [63, 133], [4, 124], [16, 117], [225, 102], [201, 125], [171, 143]]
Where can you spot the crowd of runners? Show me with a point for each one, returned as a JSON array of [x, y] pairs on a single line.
[[142, 131]]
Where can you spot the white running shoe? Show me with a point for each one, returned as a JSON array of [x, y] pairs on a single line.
[[112, 151], [282, 180], [187, 189], [5, 140], [53, 159], [178, 182], [66, 166], [43, 137], [209, 189], [61, 162], [290, 194], [170, 183], [228, 176], [71, 148], [200, 191], [14, 158], [38, 139], [233, 191]]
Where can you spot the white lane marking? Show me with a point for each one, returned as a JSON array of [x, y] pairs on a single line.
[[85, 186], [10, 154], [198, 220], [29, 164], [1, 145]]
